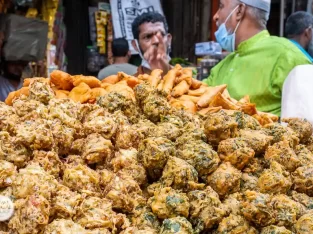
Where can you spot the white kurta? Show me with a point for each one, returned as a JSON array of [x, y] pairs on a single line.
[[297, 97]]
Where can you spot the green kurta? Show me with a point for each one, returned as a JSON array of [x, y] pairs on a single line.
[[258, 68]]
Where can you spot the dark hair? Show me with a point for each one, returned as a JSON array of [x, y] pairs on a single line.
[[120, 47], [297, 23], [150, 17]]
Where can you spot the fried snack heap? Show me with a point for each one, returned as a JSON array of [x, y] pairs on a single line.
[[128, 155]]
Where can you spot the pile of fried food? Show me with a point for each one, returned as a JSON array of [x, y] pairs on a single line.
[[133, 164], [178, 85]]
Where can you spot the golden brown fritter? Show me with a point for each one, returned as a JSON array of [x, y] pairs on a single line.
[[169, 203], [95, 212], [231, 204], [97, 149], [34, 179], [124, 193], [153, 154], [283, 154], [7, 173], [286, 210], [180, 175], [255, 166], [176, 225], [220, 126], [235, 151], [35, 134], [63, 137], [303, 180], [8, 118], [41, 91], [115, 101], [303, 199], [167, 130], [31, 215], [82, 179], [74, 160], [302, 127], [225, 180], [281, 133], [235, 224], [191, 133], [136, 230], [248, 182], [64, 203], [64, 226], [142, 91], [305, 224], [125, 162], [49, 161], [106, 176], [245, 121], [98, 231], [143, 217], [275, 180], [256, 209], [304, 154], [275, 230], [30, 109], [206, 209], [309, 144], [256, 140], [198, 154], [103, 125], [188, 118]]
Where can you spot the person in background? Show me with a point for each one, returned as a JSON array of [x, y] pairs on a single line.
[[121, 54], [259, 63], [299, 30], [152, 41], [11, 77]]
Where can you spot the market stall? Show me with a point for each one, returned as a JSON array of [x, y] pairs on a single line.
[[159, 153]]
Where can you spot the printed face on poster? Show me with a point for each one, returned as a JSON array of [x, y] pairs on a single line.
[[124, 13]]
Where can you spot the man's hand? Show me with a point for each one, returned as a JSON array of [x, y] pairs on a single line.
[[157, 56]]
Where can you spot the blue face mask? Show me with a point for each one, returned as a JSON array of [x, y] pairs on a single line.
[[224, 38]]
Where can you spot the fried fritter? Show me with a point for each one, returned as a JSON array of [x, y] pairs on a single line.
[[144, 218], [180, 175], [64, 203], [303, 199], [304, 154], [91, 81], [256, 208], [248, 182], [153, 154], [81, 178], [167, 130], [136, 230], [7, 173], [95, 212], [235, 224], [168, 203], [302, 127], [63, 137], [49, 161], [176, 225], [8, 118], [35, 134], [34, 179], [275, 180], [142, 91], [225, 180], [97, 149], [125, 162], [155, 106], [275, 230], [231, 204], [280, 133], [303, 180], [245, 121], [31, 215], [305, 224], [256, 140], [206, 209], [62, 80], [220, 126], [198, 154], [235, 151], [309, 144], [30, 109], [104, 125], [124, 193], [64, 226], [284, 155], [255, 166], [41, 91]]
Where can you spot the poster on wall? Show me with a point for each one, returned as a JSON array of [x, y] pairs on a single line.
[[124, 13]]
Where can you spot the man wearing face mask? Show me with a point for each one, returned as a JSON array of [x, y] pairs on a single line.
[[259, 63], [152, 41], [300, 32]]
